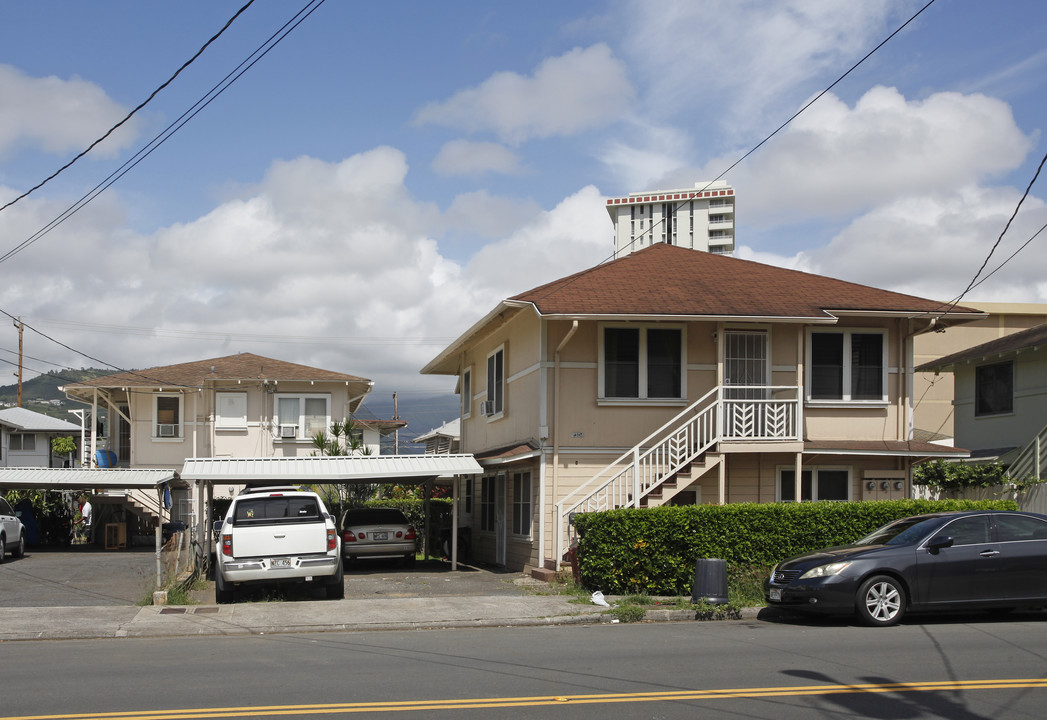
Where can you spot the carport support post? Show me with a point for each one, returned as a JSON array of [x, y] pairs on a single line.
[[159, 565], [454, 522], [427, 505]]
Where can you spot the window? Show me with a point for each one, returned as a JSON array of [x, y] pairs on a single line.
[[467, 392], [487, 503], [496, 381], [522, 503], [1017, 528], [26, 442], [847, 366], [230, 411], [301, 417], [968, 530], [816, 484], [468, 496], [994, 389], [167, 416], [642, 363]]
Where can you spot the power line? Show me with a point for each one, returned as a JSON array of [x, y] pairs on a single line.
[[131, 114], [816, 98], [171, 129]]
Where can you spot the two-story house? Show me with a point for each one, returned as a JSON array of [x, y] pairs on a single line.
[[238, 406], [670, 375]]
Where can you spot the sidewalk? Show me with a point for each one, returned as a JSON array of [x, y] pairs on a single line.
[[65, 623]]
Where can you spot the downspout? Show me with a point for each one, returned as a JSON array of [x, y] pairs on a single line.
[[555, 432]]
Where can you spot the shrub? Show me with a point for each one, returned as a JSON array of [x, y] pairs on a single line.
[[654, 550]]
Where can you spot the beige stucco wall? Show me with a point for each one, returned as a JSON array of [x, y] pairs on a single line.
[[934, 394]]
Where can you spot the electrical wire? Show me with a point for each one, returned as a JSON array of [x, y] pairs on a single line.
[[697, 193], [131, 114], [171, 129]]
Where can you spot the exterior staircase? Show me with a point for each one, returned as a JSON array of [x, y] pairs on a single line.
[[683, 450], [1032, 461]]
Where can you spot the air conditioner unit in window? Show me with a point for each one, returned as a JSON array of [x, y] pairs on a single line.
[[288, 431], [487, 408], [167, 430]]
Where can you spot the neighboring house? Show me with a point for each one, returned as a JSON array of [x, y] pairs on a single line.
[[934, 391], [674, 376], [1001, 399], [25, 439], [699, 218], [241, 405], [444, 439]]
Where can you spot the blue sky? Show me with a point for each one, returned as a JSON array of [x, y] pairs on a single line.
[[389, 171]]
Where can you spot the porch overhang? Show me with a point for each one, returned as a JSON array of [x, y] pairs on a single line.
[[509, 454], [83, 478], [329, 469], [885, 448]]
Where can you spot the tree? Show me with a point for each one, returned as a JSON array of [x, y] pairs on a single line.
[[345, 439], [64, 445]]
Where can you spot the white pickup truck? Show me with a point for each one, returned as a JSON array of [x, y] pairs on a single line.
[[274, 535]]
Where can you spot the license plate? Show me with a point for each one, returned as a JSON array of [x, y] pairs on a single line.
[[380, 536], [775, 593], [282, 563]]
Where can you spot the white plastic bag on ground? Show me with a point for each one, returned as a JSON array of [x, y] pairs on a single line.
[[598, 599]]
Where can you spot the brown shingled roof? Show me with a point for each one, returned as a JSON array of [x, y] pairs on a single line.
[[242, 366], [669, 280]]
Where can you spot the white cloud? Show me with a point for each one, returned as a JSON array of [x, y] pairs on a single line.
[[333, 265], [581, 89], [835, 160], [463, 157], [58, 116], [742, 63], [932, 245]]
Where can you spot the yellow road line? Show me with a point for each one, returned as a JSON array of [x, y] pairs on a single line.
[[481, 703]]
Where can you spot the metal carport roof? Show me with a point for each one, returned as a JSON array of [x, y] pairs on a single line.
[[330, 469], [78, 478]]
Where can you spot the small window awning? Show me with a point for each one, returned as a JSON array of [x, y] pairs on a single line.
[[329, 469], [82, 478]]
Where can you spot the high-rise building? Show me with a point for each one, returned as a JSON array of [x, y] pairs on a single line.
[[701, 218]]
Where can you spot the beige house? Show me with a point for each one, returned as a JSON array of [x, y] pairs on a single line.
[[674, 376]]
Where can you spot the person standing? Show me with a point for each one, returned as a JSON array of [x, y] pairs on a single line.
[[86, 516]]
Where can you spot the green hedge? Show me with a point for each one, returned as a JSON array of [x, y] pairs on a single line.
[[655, 550]]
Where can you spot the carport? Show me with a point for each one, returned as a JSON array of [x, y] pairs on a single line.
[[59, 479], [327, 470]]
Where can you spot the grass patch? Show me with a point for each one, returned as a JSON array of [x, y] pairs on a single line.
[[628, 613]]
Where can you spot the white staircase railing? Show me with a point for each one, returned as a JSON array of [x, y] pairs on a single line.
[[1032, 460], [759, 416]]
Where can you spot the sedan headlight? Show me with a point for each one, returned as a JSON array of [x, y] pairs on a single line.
[[825, 570]]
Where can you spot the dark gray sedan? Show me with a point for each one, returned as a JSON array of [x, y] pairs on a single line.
[[941, 561]]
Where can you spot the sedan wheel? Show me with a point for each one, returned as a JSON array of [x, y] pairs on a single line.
[[880, 601]]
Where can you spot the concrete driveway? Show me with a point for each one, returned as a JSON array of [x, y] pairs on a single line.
[[89, 577]]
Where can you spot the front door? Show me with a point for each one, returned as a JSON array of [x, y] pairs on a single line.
[[745, 375]]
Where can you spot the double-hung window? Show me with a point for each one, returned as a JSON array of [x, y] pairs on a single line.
[[847, 366], [642, 363], [24, 442], [467, 392], [167, 415], [994, 389], [815, 484], [496, 382], [230, 411], [301, 417]]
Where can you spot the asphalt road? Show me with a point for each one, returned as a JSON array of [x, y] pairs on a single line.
[[964, 668], [89, 577]]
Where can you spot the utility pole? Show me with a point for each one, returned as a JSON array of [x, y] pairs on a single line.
[[396, 432], [20, 326]]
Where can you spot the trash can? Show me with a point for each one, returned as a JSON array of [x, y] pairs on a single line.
[[710, 581]]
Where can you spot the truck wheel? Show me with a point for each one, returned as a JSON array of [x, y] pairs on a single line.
[[335, 587], [223, 594]]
